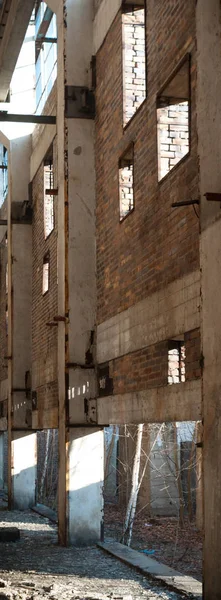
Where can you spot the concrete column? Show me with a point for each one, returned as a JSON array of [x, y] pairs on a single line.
[[208, 27], [85, 475], [1, 460], [77, 284], [24, 469]]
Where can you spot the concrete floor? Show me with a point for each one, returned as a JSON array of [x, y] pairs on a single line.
[[36, 567]]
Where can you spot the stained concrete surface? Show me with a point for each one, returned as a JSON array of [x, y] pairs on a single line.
[[36, 567]]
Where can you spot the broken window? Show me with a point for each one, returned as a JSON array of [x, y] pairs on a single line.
[[48, 198], [46, 53], [176, 361], [173, 112], [45, 280], [134, 57], [126, 182]]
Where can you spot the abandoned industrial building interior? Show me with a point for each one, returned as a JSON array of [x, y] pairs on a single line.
[[110, 312]]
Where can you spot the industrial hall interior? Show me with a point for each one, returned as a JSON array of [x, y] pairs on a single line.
[[110, 266]]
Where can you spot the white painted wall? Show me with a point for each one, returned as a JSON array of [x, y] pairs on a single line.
[[24, 469], [85, 474]]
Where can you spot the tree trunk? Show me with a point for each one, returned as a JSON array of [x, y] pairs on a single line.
[[131, 507], [178, 478], [109, 453], [44, 471]]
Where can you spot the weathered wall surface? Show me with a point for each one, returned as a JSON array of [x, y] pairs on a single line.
[[209, 119], [155, 245], [44, 307]]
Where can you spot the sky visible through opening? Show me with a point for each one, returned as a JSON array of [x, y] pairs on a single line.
[[23, 83]]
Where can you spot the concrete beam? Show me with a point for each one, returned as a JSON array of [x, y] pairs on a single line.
[[14, 33], [163, 315], [178, 402], [103, 20]]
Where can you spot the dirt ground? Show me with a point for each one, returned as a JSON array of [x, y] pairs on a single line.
[[36, 567], [162, 538]]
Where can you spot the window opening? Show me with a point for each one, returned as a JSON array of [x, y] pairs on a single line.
[[134, 57], [176, 361], [126, 182], [173, 117], [45, 53], [45, 280], [48, 198]]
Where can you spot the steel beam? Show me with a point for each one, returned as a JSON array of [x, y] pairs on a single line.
[[38, 119]]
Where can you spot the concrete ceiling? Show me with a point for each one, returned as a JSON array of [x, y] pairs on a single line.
[[14, 19]]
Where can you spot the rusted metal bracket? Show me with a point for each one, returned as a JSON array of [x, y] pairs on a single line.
[[74, 365], [38, 119], [79, 102], [185, 203], [59, 318], [51, 324], [51, 191], [213, 197]]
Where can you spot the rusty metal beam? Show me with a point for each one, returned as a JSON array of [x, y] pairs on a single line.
[[213, 197], [38, 119], [185, 203]]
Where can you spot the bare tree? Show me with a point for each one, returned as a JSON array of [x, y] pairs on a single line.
[[131, 507]]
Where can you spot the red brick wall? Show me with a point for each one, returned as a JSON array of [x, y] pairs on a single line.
[[155, 244], [148, 368], [44, 308], [140, 370]]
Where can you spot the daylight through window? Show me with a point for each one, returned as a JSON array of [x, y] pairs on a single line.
[[126, 183], [173, 107], [134, 57]]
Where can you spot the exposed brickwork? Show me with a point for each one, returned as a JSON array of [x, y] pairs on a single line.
[[193, 352], [140, 370], [173, 136], [148, 368], [155, 244], [44, 308], [134, 76]]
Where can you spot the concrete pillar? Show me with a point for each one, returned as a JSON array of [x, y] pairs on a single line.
[[85, 476], [77, 283], [1, 460], [208, 28], [24, 469]]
